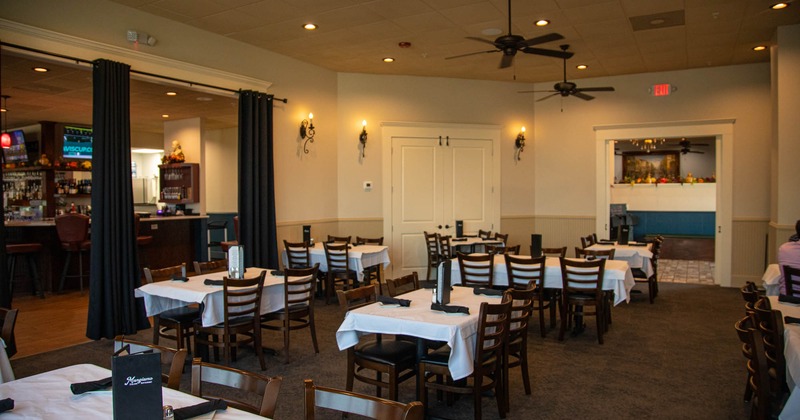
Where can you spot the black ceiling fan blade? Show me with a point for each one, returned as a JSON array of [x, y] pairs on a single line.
[[537, 91], [597, 89], [583, 96], [469, 54], [484, 40], [546, 97], [506, 61], [548, 53], [542, 39], [696, 151]]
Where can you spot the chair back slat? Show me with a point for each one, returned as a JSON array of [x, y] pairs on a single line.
[[553, 252], [166, 273], [244, 387], [210, 266], [582, 276], [476, 270], [403, 284], [300, 292], [338, 239], [522, 305], [493, 329], [484, 234], [791, 279], [358, 297], [358, 404], [242, 297], [369, 241]]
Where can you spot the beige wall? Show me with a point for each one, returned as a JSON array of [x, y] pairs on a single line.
[[222, 165]]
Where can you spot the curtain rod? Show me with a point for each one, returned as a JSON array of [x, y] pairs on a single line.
[[143, 73]]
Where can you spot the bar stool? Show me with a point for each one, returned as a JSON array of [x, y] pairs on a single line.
[[141, 240], [225, 245], [73, 232], [28, 251]]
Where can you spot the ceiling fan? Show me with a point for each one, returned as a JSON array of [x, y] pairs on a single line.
[[566, 88], [510, 44], [686, 147]]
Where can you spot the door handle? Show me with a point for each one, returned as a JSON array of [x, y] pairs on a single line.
[[440, 143], [440, 226], [447, 226]]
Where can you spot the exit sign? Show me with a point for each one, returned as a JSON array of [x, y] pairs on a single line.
[[662, 89]]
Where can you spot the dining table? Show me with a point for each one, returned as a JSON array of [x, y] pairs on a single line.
[[772, 279], [791, 351], [637, 254], [618, 275], [360, 257], [48, 395], [419, 320], [474, 243], [172, 294]]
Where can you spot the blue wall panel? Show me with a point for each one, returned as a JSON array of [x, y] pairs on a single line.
[[690, 223]]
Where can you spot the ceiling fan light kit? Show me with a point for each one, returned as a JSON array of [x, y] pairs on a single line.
[[566, 88]]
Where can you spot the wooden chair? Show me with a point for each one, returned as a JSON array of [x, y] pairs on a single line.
[[498, 249], [8, 319], [605, 254], [757, 369], [338, 239], [247, 386], [582, 283], [476, 270], [359, 404], [372, 273], [484, 234], [206, 267], [172, 359], [404, 284], [174, 324], [770, 323], [640, 276], [554, 252], [339, 271], [528, 273], [30, 252], [298, 254], [394, 359], [588, 240], [73, 233], [523, 301], [445, 247], [242, 305], [750, 296], [434, 258], [492, 338], [791, 279], [298, 307], [501, 237]]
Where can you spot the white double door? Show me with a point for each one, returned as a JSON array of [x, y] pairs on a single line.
[[436, 181]]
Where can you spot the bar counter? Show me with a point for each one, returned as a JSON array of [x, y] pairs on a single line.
[[176, 239]]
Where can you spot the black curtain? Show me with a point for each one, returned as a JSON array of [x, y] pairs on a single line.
[[113, 310], [256, 181], [5, 280]]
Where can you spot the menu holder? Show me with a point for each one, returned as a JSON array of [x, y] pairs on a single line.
[[136, 385], [236, 262], [443, 283]]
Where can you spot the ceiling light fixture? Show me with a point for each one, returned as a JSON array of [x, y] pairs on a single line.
[[647, 145], [759, 48], [581, 67], [657, 21], [164, 115], [41, 69], [388, 59], [404, 44], [170, 93], [310, 26], [542, 22], [779, 6]]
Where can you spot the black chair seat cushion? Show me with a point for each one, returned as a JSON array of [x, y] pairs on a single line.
[[639, 274], [394, 352], [29, 248], [182, 315]]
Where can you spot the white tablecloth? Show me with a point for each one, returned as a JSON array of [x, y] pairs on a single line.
[[618, 276], [772, 280], [6, 373], [418, 320], [47, 396], [165, 295], [360, 256], [791, 351], [636, 256]]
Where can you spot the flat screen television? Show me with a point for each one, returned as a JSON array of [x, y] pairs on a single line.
[[77, 143], [18, 151]]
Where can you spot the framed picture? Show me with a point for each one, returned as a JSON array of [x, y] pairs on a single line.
[[638, 166]]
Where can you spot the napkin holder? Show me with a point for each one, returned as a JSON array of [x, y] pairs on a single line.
[[307, 233], [536, 245], [459, 228], [443, 283], [136, 385], [236, 262], [623, 231]]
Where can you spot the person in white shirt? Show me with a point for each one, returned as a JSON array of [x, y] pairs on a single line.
[[789, 254]]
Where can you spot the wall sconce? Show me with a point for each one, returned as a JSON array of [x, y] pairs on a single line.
[[520, 143], [307, 131], [363, 137]]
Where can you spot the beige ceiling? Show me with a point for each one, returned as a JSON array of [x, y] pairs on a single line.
[[354, 36]]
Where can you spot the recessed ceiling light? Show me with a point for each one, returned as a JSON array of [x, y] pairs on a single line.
[[204, 99], [759, 48], [3, 110], [779, 6], [310, 26], [581, 67], [171, 93], [388, 59], [542, 22], [404, 44], [164, 115], [657, 21], [41, 69], [492, 31]]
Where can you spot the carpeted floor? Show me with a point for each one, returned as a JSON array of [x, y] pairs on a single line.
[[677, 358]]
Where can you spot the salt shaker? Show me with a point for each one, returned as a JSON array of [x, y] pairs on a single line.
[[433, 295], [169, 413]]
